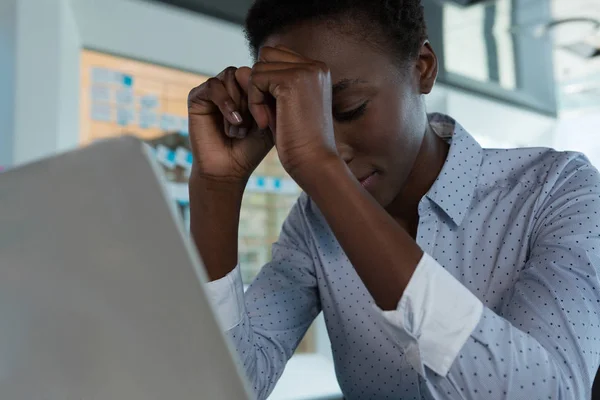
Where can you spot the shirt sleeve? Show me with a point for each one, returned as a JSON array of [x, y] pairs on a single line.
[[227, 297], [543, 343], [268, 321], [436, 312]]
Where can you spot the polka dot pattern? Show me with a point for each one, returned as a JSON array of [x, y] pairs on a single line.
[[519, 228]]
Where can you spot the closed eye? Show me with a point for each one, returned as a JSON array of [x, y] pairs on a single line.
[[351, 115]]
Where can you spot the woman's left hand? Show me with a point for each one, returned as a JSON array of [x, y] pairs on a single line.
[[291, 95]]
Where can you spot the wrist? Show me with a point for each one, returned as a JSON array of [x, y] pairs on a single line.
[[214, 219], [320, 172], [209, 185]]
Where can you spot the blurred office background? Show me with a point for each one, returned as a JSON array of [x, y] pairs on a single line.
[[513, 72]]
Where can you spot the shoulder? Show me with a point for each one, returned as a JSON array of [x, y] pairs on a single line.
[[303, 220], [568, 201], [531, 167], [571, 181]]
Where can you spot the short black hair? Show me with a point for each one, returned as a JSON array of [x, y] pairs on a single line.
[[402, 29]]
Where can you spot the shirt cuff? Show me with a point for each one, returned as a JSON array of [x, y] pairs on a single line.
[[227, 297], [434, 318]]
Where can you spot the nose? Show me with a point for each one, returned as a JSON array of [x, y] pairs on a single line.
[[343, 142], [345, 151]]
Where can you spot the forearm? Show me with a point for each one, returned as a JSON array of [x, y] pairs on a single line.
[[382, 252], [214, 221]]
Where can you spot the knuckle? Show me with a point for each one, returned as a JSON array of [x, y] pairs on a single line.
[[214, 87], [192, 94], [323, 68], [204, 92], [252, 75], [229, 73], [255, 75], [263, 50], [321, 71], [196, 94], [258, 65], [210, 83]]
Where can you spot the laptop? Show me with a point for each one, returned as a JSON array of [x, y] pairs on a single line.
[[101, 292]]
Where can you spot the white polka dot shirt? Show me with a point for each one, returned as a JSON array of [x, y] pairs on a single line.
[[504, 305]]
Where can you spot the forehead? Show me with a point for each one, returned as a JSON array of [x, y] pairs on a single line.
[[345, 54]]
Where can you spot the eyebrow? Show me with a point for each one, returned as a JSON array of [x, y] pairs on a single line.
[[345, 84]]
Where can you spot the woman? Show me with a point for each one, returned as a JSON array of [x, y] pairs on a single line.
[[444, 271]]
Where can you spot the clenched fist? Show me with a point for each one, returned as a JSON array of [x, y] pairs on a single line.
[[291, 95], [226, 142]]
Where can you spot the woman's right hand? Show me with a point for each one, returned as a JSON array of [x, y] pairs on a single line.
[[226, 142]]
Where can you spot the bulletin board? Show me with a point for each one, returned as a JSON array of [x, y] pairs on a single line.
[[123, 96]]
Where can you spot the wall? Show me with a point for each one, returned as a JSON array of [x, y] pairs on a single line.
[[68, 83], [580, 133], [491, 121], [37, 65], [162, 34], [45, 87], [42, 39], [8, 40]]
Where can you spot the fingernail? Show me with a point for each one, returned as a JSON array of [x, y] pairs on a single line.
[[236, 117], [242, 132], [233, 131]]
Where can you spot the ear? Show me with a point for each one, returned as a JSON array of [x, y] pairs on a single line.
[[427, 67]]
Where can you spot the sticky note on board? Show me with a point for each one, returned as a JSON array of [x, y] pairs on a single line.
[[149, 101], [272, 185], [127, 80], [102, 75], [165, 156], [252, 186], [100, 93], [181, 157], [125, 116], [288, 186], [101, 112], [183, 126], [169, 122], [124, 97], [148, 119], [178, 191]]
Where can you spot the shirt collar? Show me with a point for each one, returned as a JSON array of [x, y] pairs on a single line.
[[454, 188]]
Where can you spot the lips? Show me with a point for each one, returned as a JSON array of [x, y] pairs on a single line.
[[365, 177], [368, 179]]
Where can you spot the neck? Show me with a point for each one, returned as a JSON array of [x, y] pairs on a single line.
[[428, 165]]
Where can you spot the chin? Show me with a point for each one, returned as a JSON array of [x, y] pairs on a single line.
[[383, 195]]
